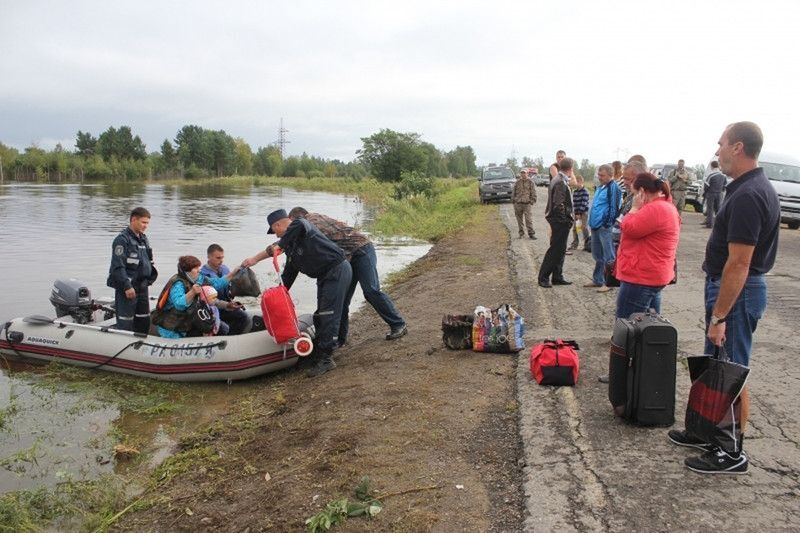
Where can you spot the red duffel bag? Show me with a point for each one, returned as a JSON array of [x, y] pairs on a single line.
[[555, 362]]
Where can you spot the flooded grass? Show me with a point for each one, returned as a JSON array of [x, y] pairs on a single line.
[[144, 397], [71, 506]]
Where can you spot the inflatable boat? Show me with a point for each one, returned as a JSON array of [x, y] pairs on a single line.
[[74, 337]]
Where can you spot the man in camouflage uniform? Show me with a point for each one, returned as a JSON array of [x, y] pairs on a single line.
[[523, 197], [678, 181]]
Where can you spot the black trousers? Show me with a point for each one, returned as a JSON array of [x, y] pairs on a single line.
[[553, 262], [133, 315], [331, 292]]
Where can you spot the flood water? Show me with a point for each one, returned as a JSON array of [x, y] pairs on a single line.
[[51, 434]]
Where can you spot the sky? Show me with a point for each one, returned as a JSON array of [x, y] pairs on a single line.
[[601, 79]]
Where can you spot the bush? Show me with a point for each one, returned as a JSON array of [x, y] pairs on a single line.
[[413, 184]]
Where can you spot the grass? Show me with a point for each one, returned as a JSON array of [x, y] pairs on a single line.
[[145, 397], [430, 219], [8, 412], [71, 506]]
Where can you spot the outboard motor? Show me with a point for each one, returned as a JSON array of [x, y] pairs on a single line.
[[72, 297]]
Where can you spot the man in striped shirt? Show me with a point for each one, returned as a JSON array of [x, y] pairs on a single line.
[[580, 207]]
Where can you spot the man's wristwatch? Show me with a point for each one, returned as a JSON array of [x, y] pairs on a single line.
[[717, 320]]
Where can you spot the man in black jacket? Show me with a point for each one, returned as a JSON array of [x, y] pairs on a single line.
[[312, 253], [559, 215], [131, 273]]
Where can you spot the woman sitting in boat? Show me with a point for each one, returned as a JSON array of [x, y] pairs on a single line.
[[173, 315]]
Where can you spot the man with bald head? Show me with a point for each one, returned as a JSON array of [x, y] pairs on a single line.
[[740, 252]]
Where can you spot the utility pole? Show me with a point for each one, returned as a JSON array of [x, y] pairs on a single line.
[[282, 142]]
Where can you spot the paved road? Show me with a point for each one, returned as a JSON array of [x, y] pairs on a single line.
[[587, 470]]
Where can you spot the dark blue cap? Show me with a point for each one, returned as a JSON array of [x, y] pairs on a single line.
[[275, 216]]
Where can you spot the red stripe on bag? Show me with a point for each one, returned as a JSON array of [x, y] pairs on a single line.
[[709, 403]]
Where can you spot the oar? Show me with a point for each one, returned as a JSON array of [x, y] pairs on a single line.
[[42, 320]]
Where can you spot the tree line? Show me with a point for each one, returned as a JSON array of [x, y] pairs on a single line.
[[197, 152]]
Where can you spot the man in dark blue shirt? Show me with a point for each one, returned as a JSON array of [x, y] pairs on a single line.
[[740, 251], [131, 273], [312, 253]]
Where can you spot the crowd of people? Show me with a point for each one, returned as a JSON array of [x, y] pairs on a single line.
[[631, 225], [634, 220], [335, 254]]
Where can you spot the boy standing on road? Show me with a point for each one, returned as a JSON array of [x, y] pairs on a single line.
[[739, 253], [580, 207]]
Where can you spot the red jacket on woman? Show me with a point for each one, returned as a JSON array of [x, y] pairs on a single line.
[[649, 242]]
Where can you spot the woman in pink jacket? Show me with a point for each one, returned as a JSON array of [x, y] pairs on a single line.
[[646, 255]]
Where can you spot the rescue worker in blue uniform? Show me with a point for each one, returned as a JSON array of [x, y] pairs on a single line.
[[312, 253], [131, 273]]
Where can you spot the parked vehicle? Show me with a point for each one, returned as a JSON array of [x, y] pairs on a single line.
[[496, 183], [783, 172]]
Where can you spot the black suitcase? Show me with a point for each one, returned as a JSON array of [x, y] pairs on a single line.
[[641, 369]]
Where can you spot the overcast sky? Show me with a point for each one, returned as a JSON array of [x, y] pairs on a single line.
[[600, 79]]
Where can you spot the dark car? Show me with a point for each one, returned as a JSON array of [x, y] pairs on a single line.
[[496, 183], [541, 180]]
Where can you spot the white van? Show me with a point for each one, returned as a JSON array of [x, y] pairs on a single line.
[[783, 172]]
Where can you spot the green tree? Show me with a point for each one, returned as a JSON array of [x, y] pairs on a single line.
[[169, 158], [8, 159], [192, 147], [120, 143], [223, 153], [244, 157], [267, 161], [58, 161], [387, 154], [291, 167], [587, 170], [85, 143], [461, 161], [512, 163]]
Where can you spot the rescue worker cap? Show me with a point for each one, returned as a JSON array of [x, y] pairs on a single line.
[[275, 216]]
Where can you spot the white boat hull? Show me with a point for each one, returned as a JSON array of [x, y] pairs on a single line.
[[188, 359]]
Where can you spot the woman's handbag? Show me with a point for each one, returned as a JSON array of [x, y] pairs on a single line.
[[203, 319], [609, 272]]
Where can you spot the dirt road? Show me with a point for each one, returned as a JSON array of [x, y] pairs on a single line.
[[587, 470], [458, 441]]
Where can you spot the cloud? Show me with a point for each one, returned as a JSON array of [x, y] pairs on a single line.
[[595, 78]]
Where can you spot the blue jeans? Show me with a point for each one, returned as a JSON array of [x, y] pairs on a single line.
[[602, 252], [635, 298], [741, 322], [365, 273]]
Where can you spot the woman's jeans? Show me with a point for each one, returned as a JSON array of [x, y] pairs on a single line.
[[635, 298], [741, 322]]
